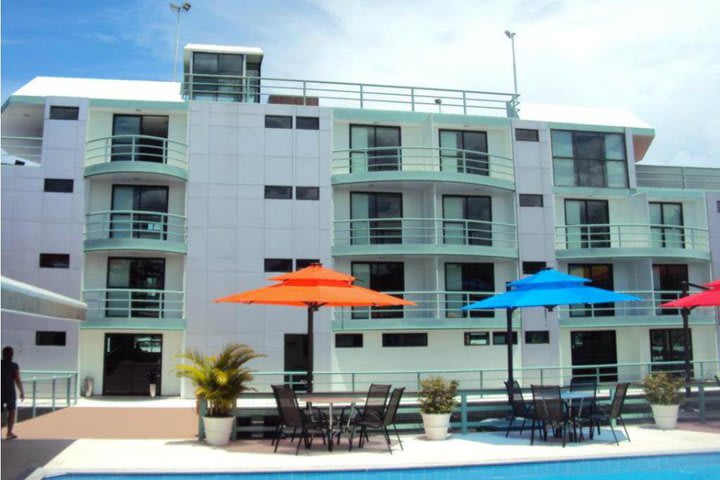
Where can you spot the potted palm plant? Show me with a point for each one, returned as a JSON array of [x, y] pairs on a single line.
[[437, 399], [219, 380], [662, 391]]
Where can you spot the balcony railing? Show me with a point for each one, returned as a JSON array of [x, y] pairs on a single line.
[[228, 88], [569, 237], [129, 224], [424, 231], [21, 149], [657, 176], [423, 159], [136, 148], [126, 303]]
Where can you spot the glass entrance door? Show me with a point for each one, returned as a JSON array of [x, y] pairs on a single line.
[[594, 348], [129, 359]]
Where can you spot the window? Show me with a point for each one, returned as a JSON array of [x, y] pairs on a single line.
[[218, 76], [278, 121], [64, 113], [54, 260], [307, 193], [140, 138], [386, 277], [600, 276], [477, 338], [667, 345], [668, 282], [464, 152], [472, 282], [537, 337], [278, 192], [278, 264], [531, 268], [374, 148], [528, 200], [376, 218], [305, 262], [405, 339], [589, 159], [134, 288], [59, 185], [348, 340], [307, 123], [467, 220], [718, 206], [139, 198], [586, 224], [666, 225], [499, 338], [527, 135], [51, 339]]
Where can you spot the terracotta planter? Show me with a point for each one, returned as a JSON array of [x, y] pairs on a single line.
[[217, 430], [665, 416], [436, 425]]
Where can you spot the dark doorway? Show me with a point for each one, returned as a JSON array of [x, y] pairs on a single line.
[[386, 277], [296, 359], [668, 280], [128, 361], [594, 348]]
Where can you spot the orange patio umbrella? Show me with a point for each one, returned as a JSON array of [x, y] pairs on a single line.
[[314, 287]]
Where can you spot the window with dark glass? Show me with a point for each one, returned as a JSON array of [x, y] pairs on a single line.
[[140, 211], [472, 282], [667, 345], [374, 148], [527, 135], [253, 83], [500, 338], [305, 262], [536, 337], [667, 284], [587, 224], [589, 159], [307, 193], [140, 138], [466, 220], [405, 339], [278, 121], [386, 277], [278, 192], [600, 276], [594, 347], [50, 339], [64, 113], [307, 123], [528, 200], [54, 260], [58, 185], [348, 340], [135, 287], [219, 77], [278, 265], [477, 338], [464, 151], [666, 225], [531, 268], [376, 218]]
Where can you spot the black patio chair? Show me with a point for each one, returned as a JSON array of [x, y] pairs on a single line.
[[371, 422], [550, 411], [520, 408], [615, 413], [373, 409], [292, 416], [584, 407], [717, 379]]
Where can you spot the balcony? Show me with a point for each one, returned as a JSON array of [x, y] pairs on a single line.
[[424, 236], [631, 240], [21, 150], [690, 178], [134, 308], [422, 164], [136, 154], [135, 230], [433, 310], [641, 313]]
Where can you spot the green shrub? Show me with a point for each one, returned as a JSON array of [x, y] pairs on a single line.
[[437, 395], [661, 388]]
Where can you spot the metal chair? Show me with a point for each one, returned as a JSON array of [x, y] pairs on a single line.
[[550, 411], [373, 409], [520, 408], [582, 408], [615, 413], [292, 416], [380, 423]]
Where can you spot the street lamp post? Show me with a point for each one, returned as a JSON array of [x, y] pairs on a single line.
[[183, 7], [511, 36]]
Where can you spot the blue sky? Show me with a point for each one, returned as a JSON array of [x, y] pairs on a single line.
[[659, 59]]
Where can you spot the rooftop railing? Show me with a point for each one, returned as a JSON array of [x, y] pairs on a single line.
[[133, 303], [618, 235], [122, 224], [228, 88], [136, 148], [657, 176], [21, 149]]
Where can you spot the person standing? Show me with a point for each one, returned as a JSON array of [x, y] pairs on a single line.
[[10, 378]]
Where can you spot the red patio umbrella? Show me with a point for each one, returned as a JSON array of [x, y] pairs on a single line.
[[314, 287]]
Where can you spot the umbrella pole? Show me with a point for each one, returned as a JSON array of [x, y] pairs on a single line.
[[685, 313], [310, 348], [509, 340]]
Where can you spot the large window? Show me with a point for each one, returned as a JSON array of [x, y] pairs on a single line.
[[127, 278], [600, 276], [589, 159], [381, 277], [129, 201], [464, 152], [468, 279], [467, 220], [667, 345], [587, 224], [218, 76], [666, 225], [374, 148], [376, 218], [140, 138]]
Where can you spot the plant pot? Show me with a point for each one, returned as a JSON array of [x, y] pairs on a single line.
[[153, 390], [665, 416], [436, 425], [217, 430], [88, 387]]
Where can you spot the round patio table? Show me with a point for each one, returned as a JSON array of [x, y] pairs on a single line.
[[331, 401], [581, 395]]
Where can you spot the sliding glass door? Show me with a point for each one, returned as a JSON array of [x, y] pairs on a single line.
[[464, 152], [466, 220], [139, 198], [374, 148], [126, 280], [587, 224], [367, 211]]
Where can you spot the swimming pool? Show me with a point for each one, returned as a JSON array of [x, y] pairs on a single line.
[[702, 466]]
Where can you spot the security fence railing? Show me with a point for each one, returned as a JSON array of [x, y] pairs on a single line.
[[122, 224], [46, 389], [136, 148], [615, 235]]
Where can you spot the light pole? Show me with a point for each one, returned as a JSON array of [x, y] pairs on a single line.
[[511, 36], [183, 7]]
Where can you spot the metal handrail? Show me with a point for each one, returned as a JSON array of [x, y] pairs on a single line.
[[24, 148], [136, 148], [117, 224], [427, 159], [239, 88], [631, 235], [649, 305], [661, 176], [41, 389], [134, 303]]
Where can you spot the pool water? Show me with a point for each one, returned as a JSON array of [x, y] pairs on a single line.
[[704, 466]]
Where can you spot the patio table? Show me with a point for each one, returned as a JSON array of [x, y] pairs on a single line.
[[331, 401], [581, 395]]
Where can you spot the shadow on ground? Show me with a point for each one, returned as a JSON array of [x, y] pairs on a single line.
[[21, 457]]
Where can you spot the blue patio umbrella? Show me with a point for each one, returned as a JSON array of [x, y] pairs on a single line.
[[547, 288]]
